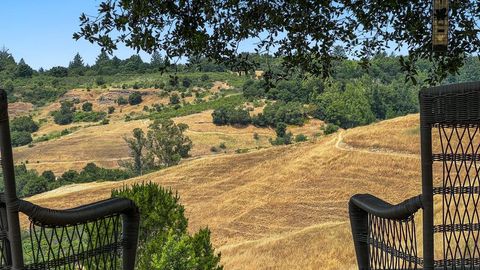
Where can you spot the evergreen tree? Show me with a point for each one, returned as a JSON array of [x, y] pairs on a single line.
[[23, 70], [77, 62], [7, 62], [77, 66], [157, 61], [102, 59]]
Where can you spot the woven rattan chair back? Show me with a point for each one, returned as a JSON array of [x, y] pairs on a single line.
[[450, 142]]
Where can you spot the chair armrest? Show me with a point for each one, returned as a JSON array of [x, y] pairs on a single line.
[[387, 229], [383, 209], [82, 214], [88, 234]]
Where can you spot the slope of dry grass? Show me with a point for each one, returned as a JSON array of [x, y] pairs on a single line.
[[283, 207], [105, 146]]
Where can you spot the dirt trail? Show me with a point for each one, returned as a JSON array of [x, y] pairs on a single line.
[[341, 145]]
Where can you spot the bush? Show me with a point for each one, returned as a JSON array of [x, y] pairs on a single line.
[[87, 107], [91, 172], [253, 89], [24, 123], [59, 71], [301, 138], [290, 113], [88, 116], [65, 115], [49, 176], [20, 138], [100, 81], [186, 82], [174, 99], [283, 137], [346, 108], [330, 128], [231, 116], [134, 98], [122, 101], [111, 110], [290, 91], [256, 136], [163, 232]]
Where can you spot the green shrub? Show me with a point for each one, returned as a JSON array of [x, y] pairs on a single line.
[[347, 107], [23, 123], [91, 172], [111, 110], [100, 81], [283, 137], [291, 113], [231, 116], [87, 107], [330, 128], [20, 138], [134, 98], [301, 138], [65, 115], [122, 101], [88, 116], [186, 82], [253, 89], [174, 99], [165, 241]]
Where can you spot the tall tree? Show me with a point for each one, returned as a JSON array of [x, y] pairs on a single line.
[[23, 70], [7, 62], [102, 64], [77, 62], [302, 32], [102, 59], [167, 143], [142, 161], [76, 66], [157, 60]]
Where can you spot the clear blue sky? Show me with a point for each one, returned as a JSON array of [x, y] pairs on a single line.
[[41, 31]]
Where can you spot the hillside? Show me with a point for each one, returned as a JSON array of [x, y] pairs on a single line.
[[284, 207], [105, 145]]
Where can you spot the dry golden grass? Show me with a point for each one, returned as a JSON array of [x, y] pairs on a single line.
[[104, 144], [19, 108], [282, 207]]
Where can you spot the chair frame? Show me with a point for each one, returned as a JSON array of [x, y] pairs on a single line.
[[452, 106], [48, 218]]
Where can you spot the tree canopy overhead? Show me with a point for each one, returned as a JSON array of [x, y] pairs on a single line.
[[303, 33]]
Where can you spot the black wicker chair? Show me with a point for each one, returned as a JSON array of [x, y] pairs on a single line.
[[384, 235], [101, 235]]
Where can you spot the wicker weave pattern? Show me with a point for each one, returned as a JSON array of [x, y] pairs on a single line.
[[392, 243], [457, 104], [93, 245], [460, 193]]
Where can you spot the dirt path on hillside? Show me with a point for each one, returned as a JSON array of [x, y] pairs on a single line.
[[341, 145]]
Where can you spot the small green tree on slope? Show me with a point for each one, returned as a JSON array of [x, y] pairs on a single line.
[[164, 242]]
